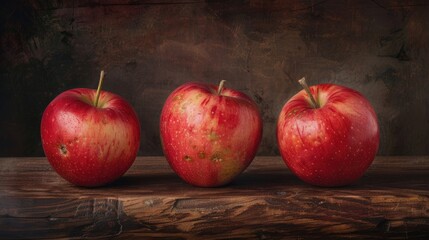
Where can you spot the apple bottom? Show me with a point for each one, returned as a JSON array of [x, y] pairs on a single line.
[[206, 168], [313, 170], [94, 176]]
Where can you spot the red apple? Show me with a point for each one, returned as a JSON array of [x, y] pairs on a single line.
[[90, 137], [328, 135], [209, 134]]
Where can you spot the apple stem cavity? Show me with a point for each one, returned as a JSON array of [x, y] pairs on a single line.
[[303, 83], [97, 94], [220, 88]]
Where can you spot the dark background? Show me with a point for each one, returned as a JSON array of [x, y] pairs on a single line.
[[148, 48]]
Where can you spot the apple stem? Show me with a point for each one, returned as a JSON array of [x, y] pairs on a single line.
[[220, 88], [97, 94], [307, 89]]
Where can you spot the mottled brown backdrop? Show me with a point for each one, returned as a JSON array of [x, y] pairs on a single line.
[[148, 48]]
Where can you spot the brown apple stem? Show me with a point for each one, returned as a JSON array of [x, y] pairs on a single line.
[[97, 94], [307, 89], [220, 88]]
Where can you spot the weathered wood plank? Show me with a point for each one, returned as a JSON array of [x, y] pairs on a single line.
[[266, 202]]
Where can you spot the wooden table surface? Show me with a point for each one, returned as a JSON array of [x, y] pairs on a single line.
[[265, 202]]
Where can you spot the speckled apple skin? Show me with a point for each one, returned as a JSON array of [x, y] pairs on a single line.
[[332, 145], [90, 146], [209, 139]]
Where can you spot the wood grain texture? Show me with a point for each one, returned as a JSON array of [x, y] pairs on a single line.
[[265, 202], [148, 48]]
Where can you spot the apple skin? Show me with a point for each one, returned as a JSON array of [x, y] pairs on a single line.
[[87, 145], [209, 139], [332, 145]]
